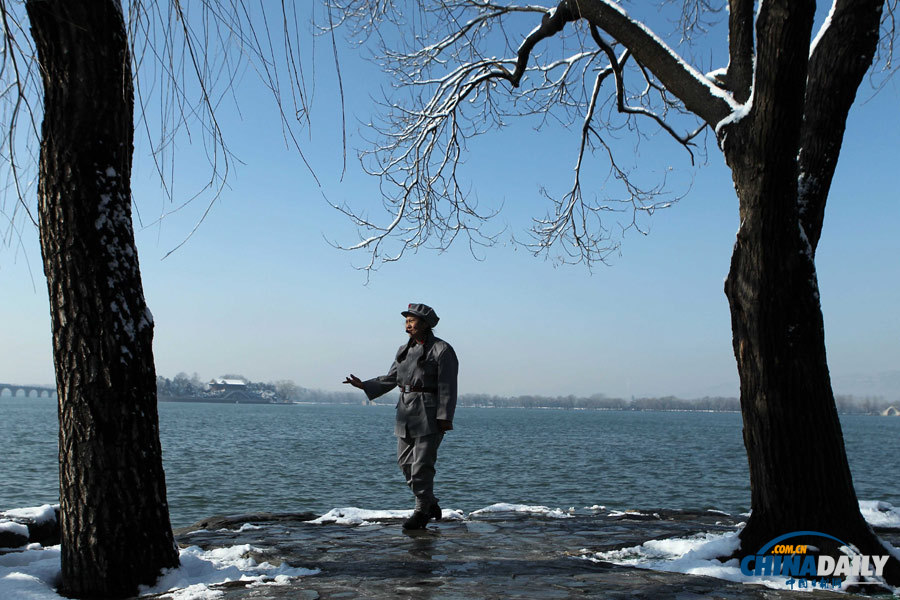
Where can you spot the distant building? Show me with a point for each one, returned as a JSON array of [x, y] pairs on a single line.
[[891, 411], [228, 385]]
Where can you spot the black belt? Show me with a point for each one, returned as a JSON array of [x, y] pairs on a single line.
[[407, 389]]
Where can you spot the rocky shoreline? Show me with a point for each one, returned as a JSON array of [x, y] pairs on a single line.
[[495, 555], [490, 554]]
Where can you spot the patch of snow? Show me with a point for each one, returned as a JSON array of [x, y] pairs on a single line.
[[278, 581], [736, 115], [200, 569], [822, 29], [195, 592], [697, 554], [359, 516], [522, 508], [34, 573], [720, 72], [45, 513], [13, 527], [31, 574], [880, 514], [452, 514], [632, 513], [714, 90], [694, 555], [806, 184], [739, 110]]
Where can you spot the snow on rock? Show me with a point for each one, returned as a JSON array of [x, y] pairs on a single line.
[[30, 574], [360, 516], [452, 514], [694, 555], [632, 513], [14, 528], [523, 508], [20, 526], [200, 569], [34, 573], [880, 514], [37, 514], [697, 554]]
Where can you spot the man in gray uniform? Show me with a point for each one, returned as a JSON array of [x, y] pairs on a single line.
[[425, 370]]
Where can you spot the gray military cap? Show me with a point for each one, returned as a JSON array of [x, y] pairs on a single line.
[[424, 312]]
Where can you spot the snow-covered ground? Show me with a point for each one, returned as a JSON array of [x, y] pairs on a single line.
[[32, 573], [696, 555]]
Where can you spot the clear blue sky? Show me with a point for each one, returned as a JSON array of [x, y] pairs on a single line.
[[258, 291]]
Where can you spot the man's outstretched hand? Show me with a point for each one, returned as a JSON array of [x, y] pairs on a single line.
[[354, 381]]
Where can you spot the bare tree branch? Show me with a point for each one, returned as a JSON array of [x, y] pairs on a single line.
[[884, 55], [623, 106], [447, 80], [696, 16], [552, 23], [699, 95], [188, 59], [20, 85]]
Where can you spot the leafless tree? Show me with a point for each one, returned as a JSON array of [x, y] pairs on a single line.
[[72, 72], [777, 113]]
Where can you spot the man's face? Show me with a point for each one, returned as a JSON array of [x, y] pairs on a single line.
[[414, 326]]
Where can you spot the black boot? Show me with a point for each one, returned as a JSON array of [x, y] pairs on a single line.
[[418, 520], [435, 512]]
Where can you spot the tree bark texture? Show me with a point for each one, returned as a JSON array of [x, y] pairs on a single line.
[[799, 475], [782, 153], [115, 524]]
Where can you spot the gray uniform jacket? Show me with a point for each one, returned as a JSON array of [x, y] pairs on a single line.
[[431, 367]]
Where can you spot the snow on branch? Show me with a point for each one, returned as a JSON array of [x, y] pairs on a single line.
[[450, 87]]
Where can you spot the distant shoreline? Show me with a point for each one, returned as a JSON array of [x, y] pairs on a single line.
[[207, 400], [845, 405]]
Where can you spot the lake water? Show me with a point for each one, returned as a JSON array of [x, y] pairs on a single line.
[[222, 458]]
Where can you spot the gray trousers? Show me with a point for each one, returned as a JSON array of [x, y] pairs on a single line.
[[416, 457]]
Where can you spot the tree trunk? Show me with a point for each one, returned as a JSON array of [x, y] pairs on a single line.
[[115, 524], [799, 475]]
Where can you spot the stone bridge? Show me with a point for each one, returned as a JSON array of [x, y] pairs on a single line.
[[28, 390]]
